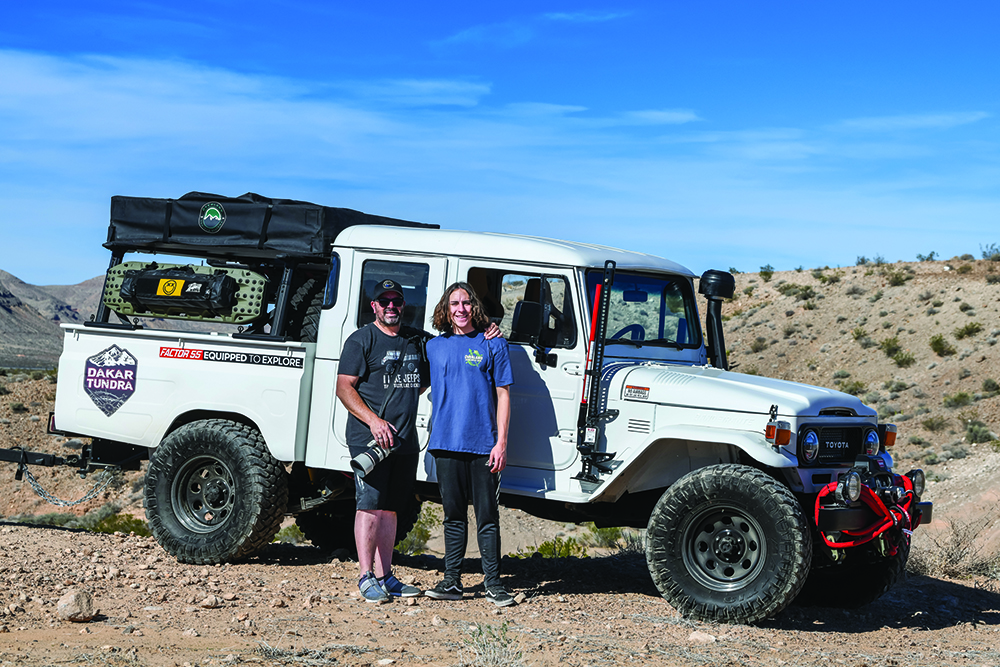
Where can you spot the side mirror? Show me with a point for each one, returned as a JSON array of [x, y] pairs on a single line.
[[526, 327], [526, 324]]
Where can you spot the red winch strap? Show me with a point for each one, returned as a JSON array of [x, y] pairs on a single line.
[[898, 515]]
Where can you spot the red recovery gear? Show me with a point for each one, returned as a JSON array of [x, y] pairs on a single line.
[[889, 517]]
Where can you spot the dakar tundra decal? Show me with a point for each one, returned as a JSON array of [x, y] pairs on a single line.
[[109, 378]]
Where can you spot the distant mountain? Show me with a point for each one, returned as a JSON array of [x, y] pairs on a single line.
[[28, 339]]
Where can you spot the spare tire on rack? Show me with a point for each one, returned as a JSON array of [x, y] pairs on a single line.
[[304, 309]]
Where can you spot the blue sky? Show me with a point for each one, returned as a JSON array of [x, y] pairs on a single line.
[[717, 134]]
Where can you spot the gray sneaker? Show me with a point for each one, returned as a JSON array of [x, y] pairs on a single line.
[[499, 596], [371, 591], [397, 588], [449, 589]]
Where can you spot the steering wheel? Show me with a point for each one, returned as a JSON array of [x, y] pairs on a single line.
[[637, 331]]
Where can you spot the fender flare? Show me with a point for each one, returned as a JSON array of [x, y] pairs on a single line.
[[751, 443]]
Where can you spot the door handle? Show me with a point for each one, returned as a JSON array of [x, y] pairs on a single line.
[[573, 369]]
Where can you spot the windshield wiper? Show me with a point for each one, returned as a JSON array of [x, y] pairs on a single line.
[[625, 341]]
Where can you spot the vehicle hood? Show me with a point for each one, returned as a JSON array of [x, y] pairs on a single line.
[[710, 388]]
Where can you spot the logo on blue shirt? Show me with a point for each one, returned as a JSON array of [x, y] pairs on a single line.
[[474, 358]]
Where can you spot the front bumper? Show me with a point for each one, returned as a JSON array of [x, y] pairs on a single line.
[[837, 519]]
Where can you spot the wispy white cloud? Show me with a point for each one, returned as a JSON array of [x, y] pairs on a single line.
[[661, 116], [585, 16], [419, 92], [938, 121], [504, 35]]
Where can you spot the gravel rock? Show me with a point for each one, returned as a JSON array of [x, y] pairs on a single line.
[[76, 606]]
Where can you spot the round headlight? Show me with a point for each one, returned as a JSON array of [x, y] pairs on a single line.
[[810, 446], [871, 442], [919, 481], [852, 486]]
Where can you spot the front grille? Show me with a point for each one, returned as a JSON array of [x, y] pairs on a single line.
[[837, 443]]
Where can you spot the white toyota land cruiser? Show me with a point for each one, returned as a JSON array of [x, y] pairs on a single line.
[[623, 410]]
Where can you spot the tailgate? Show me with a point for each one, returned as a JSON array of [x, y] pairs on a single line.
[[131, 386]]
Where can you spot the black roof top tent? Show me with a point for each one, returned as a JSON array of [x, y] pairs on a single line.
[[248, 228]]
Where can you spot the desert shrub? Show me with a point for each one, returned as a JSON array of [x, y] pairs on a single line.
[[787, 289], [809, 305], [854, 387], [415, 541], [557, 548], [733, 270], [841, 374], [752, 370], [805, 293], [895, 385], [993, 279], [957, 400], [37, 375], [123, 523], [766, 272], [960, 552], [790, 331], [3, 389], [916, 440], [290, 535], [858, 333], [748, 290], [935, 424], [890, 346], [607, 537], [896, 278], [991, 252], [929, 257], [759, 344], [854, 290], [977, 431], [903, 359], [930, 457], [964, 307], [887, 325], [18, 408], [53, 378], [990, 386], [941, 347], [876, 296], [965, 268], [970, 329], [925, 296], [486, 646], [48, 519]]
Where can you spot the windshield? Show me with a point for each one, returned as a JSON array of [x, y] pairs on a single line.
[[649, 310]]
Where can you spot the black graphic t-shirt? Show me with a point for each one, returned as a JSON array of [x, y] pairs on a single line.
[[373, 356]]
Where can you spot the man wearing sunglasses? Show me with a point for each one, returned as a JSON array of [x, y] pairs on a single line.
[[383, 371]]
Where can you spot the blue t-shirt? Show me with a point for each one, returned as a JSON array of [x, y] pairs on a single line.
[[465, 371]]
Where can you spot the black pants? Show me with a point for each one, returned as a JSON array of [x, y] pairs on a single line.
[[461, 478]]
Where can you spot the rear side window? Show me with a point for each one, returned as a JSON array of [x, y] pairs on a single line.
[[412, 276]]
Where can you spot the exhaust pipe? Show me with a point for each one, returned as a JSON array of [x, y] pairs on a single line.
[[716, 286]]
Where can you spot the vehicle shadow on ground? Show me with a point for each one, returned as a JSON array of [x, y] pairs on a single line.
[[616, 573], [917, 603]]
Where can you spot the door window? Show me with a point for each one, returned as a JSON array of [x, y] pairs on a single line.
[[501, 291], [412, 276]]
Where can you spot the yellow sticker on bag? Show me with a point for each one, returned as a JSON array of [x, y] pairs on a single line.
[[169, 287]]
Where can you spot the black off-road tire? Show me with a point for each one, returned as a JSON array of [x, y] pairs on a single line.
[[863, 577], [214, 493], [304, 309], [728, 543]]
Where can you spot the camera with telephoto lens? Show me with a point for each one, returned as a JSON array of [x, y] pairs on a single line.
[[363, 463]]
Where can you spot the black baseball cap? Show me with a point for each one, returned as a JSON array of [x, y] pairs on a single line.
[[384, 286]]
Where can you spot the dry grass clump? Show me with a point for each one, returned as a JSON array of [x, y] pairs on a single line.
[[958, 553]]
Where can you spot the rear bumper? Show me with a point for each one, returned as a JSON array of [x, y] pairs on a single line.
[[837, 519]]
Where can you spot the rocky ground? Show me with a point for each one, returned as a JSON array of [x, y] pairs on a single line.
[[294, 605]]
